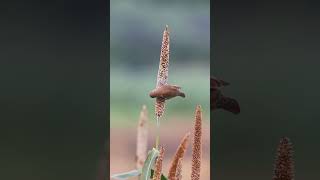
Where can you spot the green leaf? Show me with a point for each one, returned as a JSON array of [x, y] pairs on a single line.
[[126, 175], [148, 164], [162, 176]]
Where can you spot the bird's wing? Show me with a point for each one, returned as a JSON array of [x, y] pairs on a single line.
[[176, 87], [162, 78]]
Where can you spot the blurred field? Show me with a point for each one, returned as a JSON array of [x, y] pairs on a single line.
[[122, 146], [129, 91]]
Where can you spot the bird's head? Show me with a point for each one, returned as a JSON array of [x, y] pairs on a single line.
[[152, 94]]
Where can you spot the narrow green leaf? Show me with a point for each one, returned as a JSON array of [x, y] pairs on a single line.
[[148, 164], [126, 175], [162, 176]]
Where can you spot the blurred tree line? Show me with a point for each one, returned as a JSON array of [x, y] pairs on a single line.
[[137, 26]]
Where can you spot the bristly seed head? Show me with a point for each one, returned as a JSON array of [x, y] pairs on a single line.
[[284, 165], [179, 170], [159, 107], [163, 71], [196, 146], [178, 156], [167, 28], [142, 138], [158, 165]]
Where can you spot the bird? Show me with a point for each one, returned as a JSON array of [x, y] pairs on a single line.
[[167, 92], [164, 90], [220, 101]]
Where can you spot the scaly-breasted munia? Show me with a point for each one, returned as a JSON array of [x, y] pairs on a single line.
[[218, 100], [167, 92]]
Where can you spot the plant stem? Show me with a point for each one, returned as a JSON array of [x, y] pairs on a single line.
[[157, 133]]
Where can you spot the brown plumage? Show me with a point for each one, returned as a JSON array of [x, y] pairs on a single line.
[[178, 156], [166, 92], [218, 100], [284, 167]]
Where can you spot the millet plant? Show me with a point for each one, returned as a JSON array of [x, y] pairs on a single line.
[[149, 165]]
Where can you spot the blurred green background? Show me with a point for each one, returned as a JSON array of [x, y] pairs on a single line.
[[135, 40]]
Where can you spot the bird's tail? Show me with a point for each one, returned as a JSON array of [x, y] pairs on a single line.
[[228, 104]]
